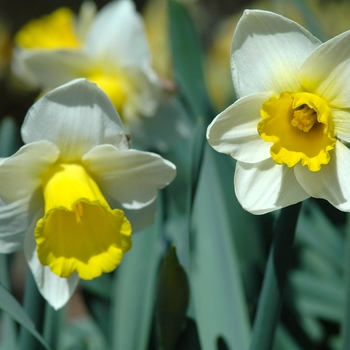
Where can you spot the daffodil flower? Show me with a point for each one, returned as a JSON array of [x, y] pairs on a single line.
[[68, 192], [108, 48], [288, 127]]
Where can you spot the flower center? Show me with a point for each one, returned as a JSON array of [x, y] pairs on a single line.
[[304, 118], [52, 31], [300, 127], [79, 231]]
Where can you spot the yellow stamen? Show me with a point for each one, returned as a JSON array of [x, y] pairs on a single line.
[[78, 210], [300, 127], [79, 231], [305, 118]]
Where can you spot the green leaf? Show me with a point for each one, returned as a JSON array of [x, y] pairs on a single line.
[[275, 277], [345, 331], [284, 341], [10, 305], [312, 23], [82, 334], [215, 280], [9, 137], [197, 147], [97, 297], [317, 232], [172, 300], [9, 332], [312, 261], [315, 296], [187, 59], [52, 327], [34, 306], [100, 287], [133, 291], [189, 337]]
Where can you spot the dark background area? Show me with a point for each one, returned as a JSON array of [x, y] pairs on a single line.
[[18, 12]]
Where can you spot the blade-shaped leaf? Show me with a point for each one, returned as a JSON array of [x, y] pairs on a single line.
[[215, 280], [187, 59], [10, 305], [317, 297], [133, 292]]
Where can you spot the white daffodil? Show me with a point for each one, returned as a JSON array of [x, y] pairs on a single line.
[[72, 190], [288, 127], [109, 48]]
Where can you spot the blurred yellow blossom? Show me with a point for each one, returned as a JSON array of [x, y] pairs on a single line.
[[108, 47], [50, 32]]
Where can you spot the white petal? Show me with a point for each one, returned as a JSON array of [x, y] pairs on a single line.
[[267, 51], [141, 218], [76, 117], [266, 186], [20, 174], [14, 222], [56, 290], [131, 177], [341, 120], [52, 68], [326, 71], [118, 33], [234, 131], [332, 181]]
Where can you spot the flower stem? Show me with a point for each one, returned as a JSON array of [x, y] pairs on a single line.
[[53, 321], [271, 295]]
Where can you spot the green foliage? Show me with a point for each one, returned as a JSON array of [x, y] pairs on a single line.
[[172, 300], [187, 58], [11, 306]]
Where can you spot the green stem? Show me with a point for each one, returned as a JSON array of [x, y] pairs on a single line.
[[52, 325], [271, 295], [34, 305], [345, 330]]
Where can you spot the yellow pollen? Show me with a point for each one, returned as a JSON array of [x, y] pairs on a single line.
[[305, 118], [78, 210]]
